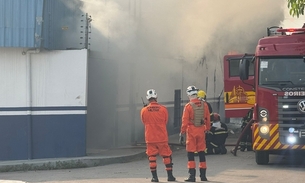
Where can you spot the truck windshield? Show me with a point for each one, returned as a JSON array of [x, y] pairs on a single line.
[[281, 71]]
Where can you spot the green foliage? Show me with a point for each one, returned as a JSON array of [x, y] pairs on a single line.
[[296, 7]]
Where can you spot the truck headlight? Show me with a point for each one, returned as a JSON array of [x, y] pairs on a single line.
[[291, 139], [263, 122], [264, 129]]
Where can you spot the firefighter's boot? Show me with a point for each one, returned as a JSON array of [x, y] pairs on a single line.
[[223, 149], [154, 176], [192, 176], [217, 150], [170, 176], [202, 174]]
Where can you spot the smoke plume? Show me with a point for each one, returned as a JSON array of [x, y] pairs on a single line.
[[166, 45]]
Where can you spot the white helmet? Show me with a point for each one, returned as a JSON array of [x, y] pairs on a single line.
[[151, 93], [191, 90]]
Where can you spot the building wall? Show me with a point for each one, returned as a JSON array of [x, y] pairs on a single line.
[[49, 24], [43, 104], [64, 25], [134, 46]]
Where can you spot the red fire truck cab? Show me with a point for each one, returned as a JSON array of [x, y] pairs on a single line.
[[279, 82], [239, 95]]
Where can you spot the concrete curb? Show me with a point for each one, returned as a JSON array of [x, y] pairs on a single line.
[[111, 156], [82, 162]]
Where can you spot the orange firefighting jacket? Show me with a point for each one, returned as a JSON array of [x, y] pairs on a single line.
[[188, 116], [154, 117]]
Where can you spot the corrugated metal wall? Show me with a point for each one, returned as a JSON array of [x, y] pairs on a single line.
[[63, 25], [21, 23], [49, 24]]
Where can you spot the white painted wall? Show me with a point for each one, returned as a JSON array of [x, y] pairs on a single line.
[[58, 78], [12, 78]]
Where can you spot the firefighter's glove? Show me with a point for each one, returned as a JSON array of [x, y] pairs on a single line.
[[181, 139]]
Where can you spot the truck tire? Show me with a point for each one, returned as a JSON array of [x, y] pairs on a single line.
[[262, 157]]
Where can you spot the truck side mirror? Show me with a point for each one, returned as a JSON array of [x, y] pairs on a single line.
[[244, 69]]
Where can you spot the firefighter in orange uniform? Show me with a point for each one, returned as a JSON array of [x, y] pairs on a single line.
[[203, 96], [195, 122], [155, 117]]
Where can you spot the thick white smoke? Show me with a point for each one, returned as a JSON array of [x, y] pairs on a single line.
[[163, 37], [166, 45]]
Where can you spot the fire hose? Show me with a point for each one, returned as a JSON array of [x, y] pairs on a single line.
[[234, 150]]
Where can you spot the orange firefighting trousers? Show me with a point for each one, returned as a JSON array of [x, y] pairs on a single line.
[[162, 149]]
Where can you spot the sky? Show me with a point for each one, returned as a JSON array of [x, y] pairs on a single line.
[[290, 21]]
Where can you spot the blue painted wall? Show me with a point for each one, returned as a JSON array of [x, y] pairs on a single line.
[[42, 136], [14, 137], [59, 136]]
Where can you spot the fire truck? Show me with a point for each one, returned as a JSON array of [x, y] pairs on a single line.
[[279, 82], [239, 95]]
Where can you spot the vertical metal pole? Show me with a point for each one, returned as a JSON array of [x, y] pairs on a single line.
[[29, 99], [206, 84], [177, 109], [182, 75], [132, 105], [116, 130], [215, 88], [86, 31]]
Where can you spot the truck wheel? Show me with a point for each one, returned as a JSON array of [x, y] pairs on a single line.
[[262, 157]]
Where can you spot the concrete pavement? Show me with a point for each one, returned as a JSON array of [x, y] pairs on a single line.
[[110, 156], [103, 157]]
